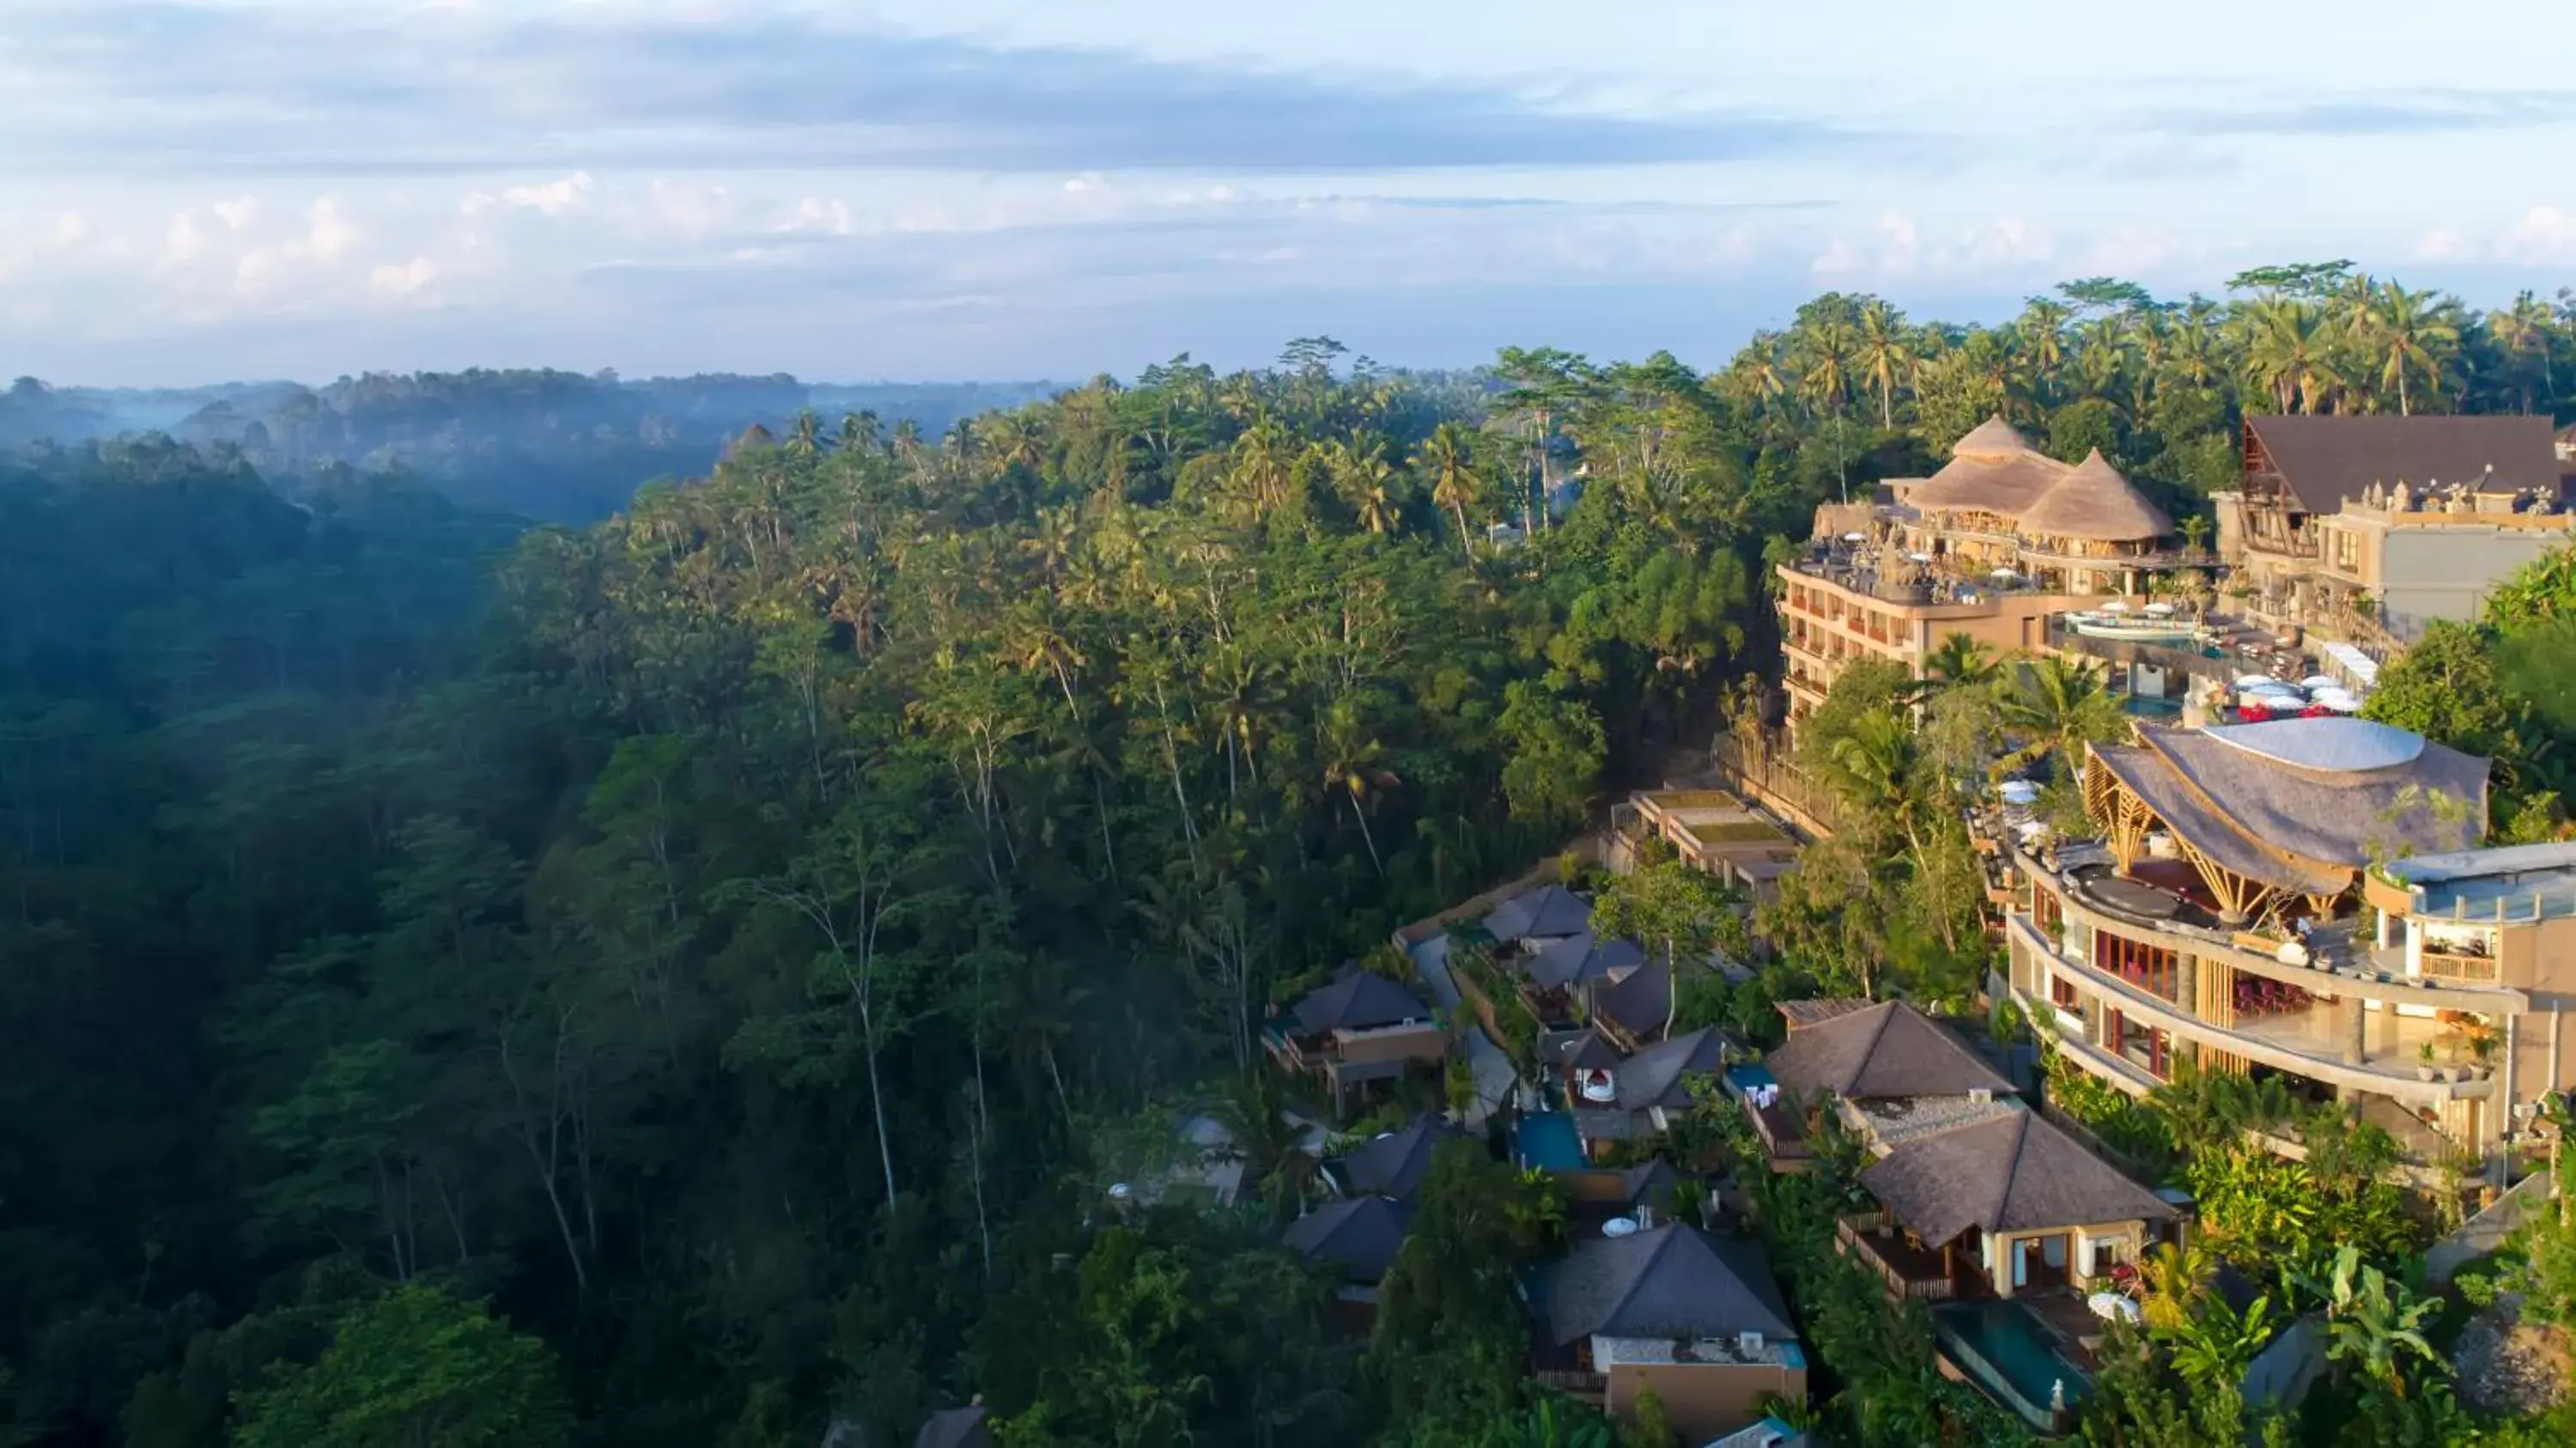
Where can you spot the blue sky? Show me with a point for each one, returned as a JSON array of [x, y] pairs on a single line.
[[193, 190]]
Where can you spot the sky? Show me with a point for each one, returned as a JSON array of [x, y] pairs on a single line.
[[204, 190]]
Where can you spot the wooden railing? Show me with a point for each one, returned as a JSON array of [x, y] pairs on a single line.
[[1853, 1235], [2445, 965]]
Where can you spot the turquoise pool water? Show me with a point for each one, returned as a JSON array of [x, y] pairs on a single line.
[[2014, 1345], [1748, 1079], [1547, 1140]]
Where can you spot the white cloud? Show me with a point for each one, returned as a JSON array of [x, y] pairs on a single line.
[[403, 281], [185, 242], [330, 237], [1901, 251], [2544, 236], [71, 229], [239, 213]]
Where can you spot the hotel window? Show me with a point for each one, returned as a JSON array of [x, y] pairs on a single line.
[[2061, 993], [2151, 968], [2047, 912], [2347, 551]]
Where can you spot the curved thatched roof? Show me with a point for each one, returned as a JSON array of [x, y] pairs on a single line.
[[2008, 1173], [1992, 438], [2003, 484], [2094, 501], [2298, 803]]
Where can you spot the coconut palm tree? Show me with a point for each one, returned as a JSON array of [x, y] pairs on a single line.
[[1885, 355], [1960, 661], [2524, 329], [2057, 707], [2409, 336], [1444, 458], [1351, 766], [2290, 354]]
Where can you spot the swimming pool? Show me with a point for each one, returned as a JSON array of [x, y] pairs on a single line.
[[1547, 1140], [2003, 1340]]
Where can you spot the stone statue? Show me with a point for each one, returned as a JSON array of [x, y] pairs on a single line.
[[2403, 500]]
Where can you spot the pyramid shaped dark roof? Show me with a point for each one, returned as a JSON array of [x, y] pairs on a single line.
[[1393, 1164], [1673, 1281], [1360, 1234], [2008, 1173], [1356, 1000], [1889, 1050], [1545, 913]]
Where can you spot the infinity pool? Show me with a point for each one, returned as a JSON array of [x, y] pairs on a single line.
[[2006, 1340], [1547, 1140]]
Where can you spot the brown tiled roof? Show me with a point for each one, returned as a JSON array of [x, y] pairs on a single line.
[[1639, 1001], [2327, 461], [1890, 1049], [2010, 1173], [2093, 501]]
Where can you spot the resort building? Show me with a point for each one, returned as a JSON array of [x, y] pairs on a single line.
[[2376, 526], [1356, 1029], [2301, 898], [1694, 1318], [1708, 829], [1989, 546]]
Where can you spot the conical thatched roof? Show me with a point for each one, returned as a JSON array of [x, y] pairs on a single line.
[[1993, 438], [2094, 501]]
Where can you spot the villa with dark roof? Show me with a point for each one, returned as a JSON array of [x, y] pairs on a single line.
[[1359, 1235], [1882, 1068], [1693, 1318], [1636, 1099], [955, 1428], [1391, 1165], [1533, 918], [1356, 1029], [2417, 516], [2304, 899]]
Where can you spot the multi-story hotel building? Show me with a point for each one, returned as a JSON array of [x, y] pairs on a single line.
[[2302, 898], [1991, 545], [2384, 524]]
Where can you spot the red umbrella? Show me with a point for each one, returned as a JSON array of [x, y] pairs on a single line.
[[2253, 714]]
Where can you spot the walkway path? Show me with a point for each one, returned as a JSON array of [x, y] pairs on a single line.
[[1495, 1077]]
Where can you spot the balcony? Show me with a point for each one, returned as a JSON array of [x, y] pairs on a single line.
[[2313, 1042], [1904, 1267], [2343, 960]]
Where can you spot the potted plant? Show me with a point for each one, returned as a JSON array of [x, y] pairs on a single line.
[[2424, 1070]]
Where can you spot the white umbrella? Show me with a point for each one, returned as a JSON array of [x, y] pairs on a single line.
[[2340, 703], [2160, 609], [2253, 681], [2320, 681], [2111, 1305], [1855, 537], [2115, 606], [2004, 573], [1920, 557]]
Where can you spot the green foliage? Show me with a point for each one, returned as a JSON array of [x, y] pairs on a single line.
[[413, 1366]]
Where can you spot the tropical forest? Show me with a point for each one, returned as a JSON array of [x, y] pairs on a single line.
[[544, 910]]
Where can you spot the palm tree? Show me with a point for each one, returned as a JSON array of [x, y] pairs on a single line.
[[1870, 769], [2523, 329], [1269, 1141], [1560, 1423], [2410, 336], [1826, 354], [858, 432], [2287, 353], [1884, 354], [1960, 660], [1350, 765], [2042, 331], [2057, 707], [1367, 482], [808, 437], [1444, 458]]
